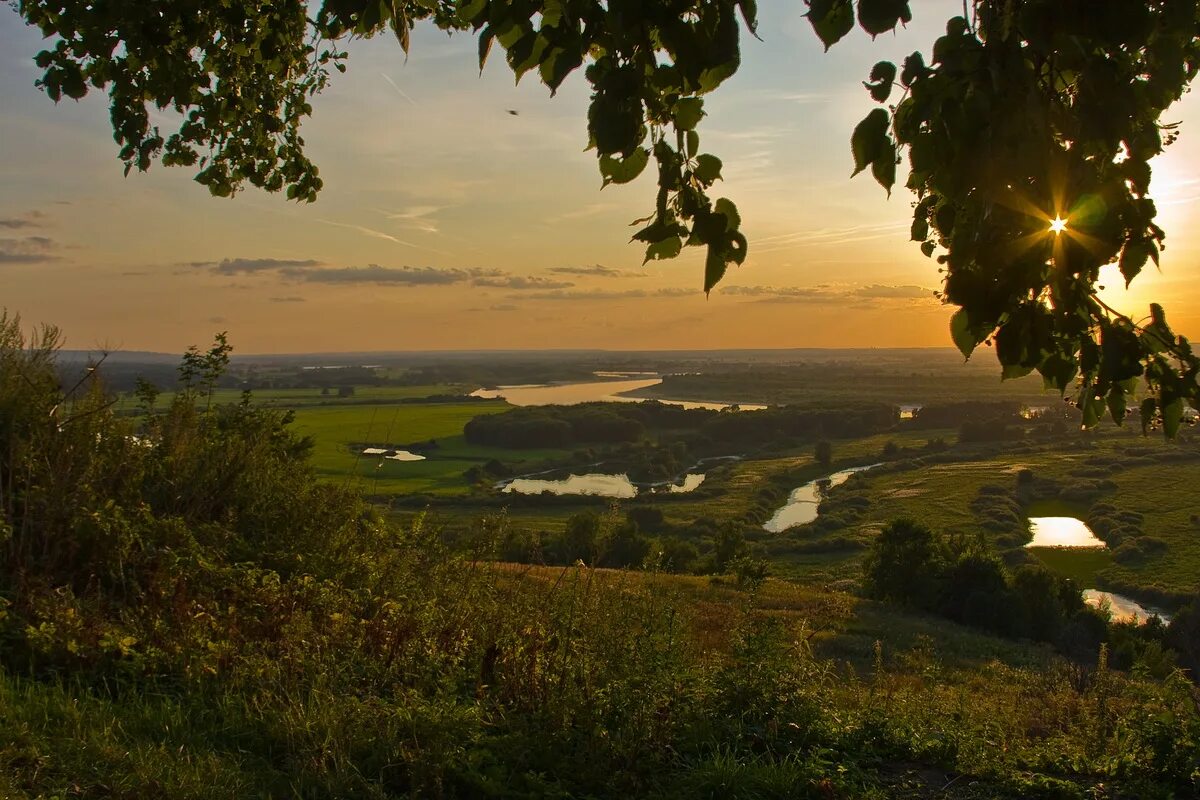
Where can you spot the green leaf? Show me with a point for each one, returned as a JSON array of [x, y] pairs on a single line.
[[1172, 415], [688, 111], [913, 68], [831, 19], [869, 139], [1012, 371], [749, 9], [1148, 408], [737, 249], [486, 37], [1093, 409], [920, 227], [708, 168], [714, 267], [726, 207], [1116, 404], [880, 16], [624, 170], [667, 248], [693, 144], [883, 74], [884, 167], [1133, 258], [962, 334], [468, 10]]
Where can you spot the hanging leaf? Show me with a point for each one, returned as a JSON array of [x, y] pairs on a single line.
[[883, 75], [624, 170], [831, 19], [688, 112], [869, 139], [962, 334]]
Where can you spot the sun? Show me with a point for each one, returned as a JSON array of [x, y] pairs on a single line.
[[1058, 225]]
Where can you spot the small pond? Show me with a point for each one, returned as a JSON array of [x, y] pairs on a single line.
[[393, 455], [1061, 532], [690, 483], [601, 485], [1123, 608], [608, 391], [803, 502], [593, 483]]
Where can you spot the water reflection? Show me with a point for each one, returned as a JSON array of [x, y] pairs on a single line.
[[1123, 609], [569, 394], [803, 502], [1061, 532], [690, 483], [601, 485], [393, 455], [590, 484]]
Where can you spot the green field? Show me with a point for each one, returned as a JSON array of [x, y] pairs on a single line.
[[341, 431]]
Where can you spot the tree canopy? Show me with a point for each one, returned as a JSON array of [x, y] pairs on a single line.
[[1028, 131]]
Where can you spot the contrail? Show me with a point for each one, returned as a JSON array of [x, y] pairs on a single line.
[[399, 91]]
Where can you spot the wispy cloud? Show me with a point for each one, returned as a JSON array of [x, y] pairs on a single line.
[[30, 219], [589, 210], [29, 250], [390, 276], [374, 234], [843, 295], [597, 271], [521, 282], [416, 217], [910, 292], [289, 299], [782, 293], [613, 295], [827, 236], [238, 266]]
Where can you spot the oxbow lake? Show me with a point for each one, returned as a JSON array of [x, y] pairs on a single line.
[[600, 485], [1072, 533], [393, 455], [803, 503], [606, 391], [1123, 609], [1062, 532]]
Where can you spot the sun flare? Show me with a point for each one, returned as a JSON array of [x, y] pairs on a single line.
[[1058, 225]]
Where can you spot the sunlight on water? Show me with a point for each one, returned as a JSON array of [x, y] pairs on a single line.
[[569, 394], [803, 502], [404, 455], [592, 484], [690, 483], [1123, 609], [1061, 532]]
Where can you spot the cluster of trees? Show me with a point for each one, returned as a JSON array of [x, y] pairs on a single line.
[[535, 427], [913, 566], [641, 539], [612, 423]]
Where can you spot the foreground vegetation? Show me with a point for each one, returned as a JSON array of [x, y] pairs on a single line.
[[188, 612]]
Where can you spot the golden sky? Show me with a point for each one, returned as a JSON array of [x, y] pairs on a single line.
[[447, 223]]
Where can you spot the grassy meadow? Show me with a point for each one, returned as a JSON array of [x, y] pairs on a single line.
[[341, 432]]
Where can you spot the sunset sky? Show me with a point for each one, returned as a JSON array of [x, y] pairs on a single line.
[[447, 223]]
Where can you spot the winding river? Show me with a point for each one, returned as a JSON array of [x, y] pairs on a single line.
[[605, 391], [804, 502]]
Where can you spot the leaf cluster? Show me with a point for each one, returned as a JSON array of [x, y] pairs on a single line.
[[1030, 112]]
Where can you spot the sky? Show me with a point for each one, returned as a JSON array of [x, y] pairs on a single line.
[[448, 223]]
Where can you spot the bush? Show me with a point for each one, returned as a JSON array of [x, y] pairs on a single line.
[[905, 565]]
